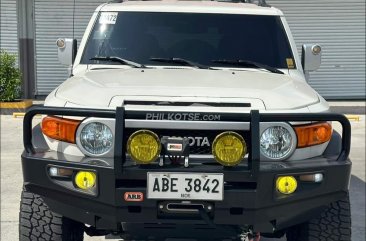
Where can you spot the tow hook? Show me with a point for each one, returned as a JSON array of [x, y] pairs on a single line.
[[250, 236], [92, 231]]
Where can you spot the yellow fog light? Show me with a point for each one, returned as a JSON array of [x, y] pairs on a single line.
[[85, 180], [286, 184], [229, 148], [144, 146]]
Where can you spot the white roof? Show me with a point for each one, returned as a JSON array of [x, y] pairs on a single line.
[[191, 7]]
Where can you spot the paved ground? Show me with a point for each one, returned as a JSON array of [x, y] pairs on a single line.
[[11, 178]]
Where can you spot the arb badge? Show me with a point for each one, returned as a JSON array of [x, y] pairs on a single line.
[[134, 196]]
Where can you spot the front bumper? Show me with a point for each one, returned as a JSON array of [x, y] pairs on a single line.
[[246, 203], [250, 196]]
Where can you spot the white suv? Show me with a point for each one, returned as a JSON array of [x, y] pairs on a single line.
[[189, 119]]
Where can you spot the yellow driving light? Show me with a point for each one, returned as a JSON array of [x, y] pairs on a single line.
[[144, 146], [85, 180], [286, 184], [229, 148]]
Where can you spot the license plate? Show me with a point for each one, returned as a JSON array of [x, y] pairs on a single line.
[[185, 186]]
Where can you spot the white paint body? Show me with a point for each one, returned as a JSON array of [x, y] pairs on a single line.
[[109, 88]]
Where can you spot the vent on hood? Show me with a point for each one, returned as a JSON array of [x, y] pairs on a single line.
[[171, 103]]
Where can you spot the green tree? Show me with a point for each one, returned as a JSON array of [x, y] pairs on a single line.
[[10, 77]]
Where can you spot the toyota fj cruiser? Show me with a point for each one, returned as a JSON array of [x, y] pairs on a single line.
[[186, 119]]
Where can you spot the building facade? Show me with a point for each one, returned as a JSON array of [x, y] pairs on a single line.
[[31, 27]]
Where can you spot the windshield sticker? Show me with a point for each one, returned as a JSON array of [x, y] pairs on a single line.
[[108, 18], [290, 63]]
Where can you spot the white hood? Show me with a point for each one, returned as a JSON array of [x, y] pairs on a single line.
[[110, 87]]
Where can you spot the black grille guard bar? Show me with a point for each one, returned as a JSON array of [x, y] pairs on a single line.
[[254, 117]]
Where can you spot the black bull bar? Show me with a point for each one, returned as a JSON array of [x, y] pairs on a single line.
[[120, 114]]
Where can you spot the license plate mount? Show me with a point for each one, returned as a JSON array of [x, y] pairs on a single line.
[[185, 186]]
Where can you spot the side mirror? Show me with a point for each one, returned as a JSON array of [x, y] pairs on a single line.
[[311, 57], [66, 50]]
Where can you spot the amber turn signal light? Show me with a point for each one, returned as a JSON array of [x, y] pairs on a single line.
[[314, 134], [61, 129]]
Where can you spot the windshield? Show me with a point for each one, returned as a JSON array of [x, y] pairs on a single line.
[[199, 37]]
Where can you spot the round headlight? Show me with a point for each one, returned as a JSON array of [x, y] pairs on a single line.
[[144, 146], [277, 142], [96, 138], [229, 148]]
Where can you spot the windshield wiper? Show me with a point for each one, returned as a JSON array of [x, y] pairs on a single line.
[[181, 62], [247, 63], [119, 60]]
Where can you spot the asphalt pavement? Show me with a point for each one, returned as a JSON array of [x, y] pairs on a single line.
[[11, 179]]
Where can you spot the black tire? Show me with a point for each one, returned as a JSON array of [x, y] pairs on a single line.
[[333, 224], [38, 223]]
